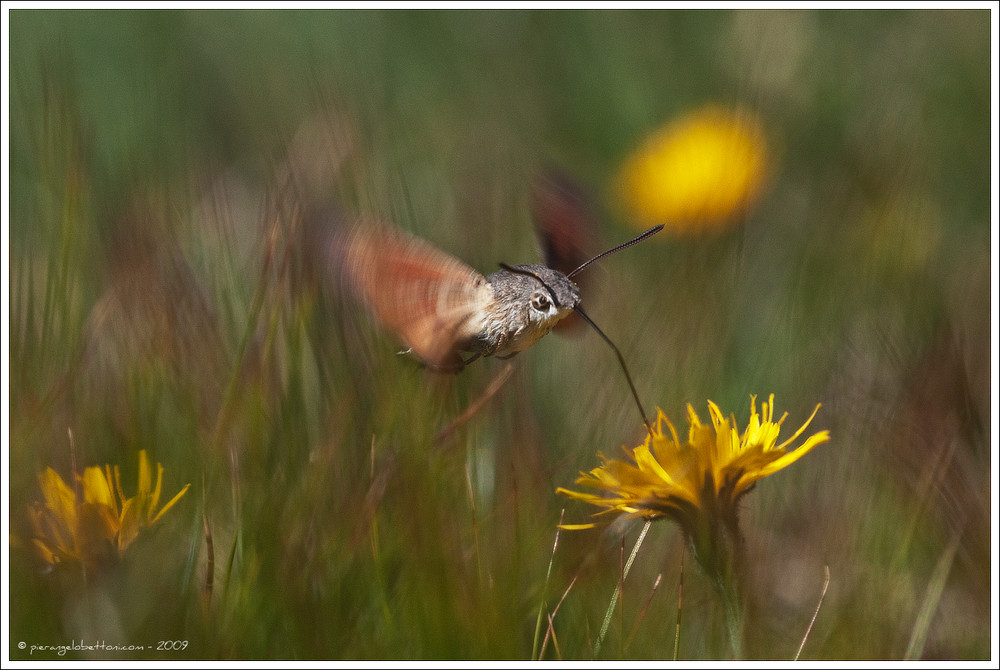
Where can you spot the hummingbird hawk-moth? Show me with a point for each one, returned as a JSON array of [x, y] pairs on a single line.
[[440, 307], [447, 313]]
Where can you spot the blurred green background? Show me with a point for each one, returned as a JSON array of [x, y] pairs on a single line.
[[156, 303]]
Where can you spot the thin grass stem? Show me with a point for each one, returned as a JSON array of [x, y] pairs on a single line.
[[822, 596], [617, 593], [935, 587], [545, 588], [551, 630]]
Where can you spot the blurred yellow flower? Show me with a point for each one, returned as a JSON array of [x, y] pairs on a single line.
[[97, 529], [703, 477], [697, 173]]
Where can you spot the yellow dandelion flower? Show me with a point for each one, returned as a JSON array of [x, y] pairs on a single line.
[[96, 528], [697, 173], [703, 476], [698, 483]]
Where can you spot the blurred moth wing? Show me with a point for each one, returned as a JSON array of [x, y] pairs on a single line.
[[566, 227], [430, 299], [564, 219]]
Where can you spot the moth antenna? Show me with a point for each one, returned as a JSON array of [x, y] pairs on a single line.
[[652, 231], [621, 359]]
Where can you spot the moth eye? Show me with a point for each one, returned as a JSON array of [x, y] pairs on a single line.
[[540, 302]]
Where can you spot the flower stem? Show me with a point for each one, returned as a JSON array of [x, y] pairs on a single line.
[[717, 545], [734, 619]]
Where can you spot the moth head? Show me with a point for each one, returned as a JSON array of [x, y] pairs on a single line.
[[545, 296]]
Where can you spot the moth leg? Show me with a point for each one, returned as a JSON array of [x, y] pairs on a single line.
[[448, 367], [452, 368], [471, 358], [508, 356]]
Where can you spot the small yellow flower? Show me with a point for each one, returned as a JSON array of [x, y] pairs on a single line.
[[97, 529], [697, 173], [702, 477]]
